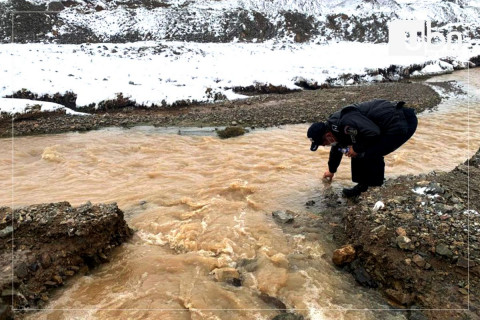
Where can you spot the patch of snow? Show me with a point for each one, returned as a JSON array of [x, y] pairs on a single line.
[[420, 190], [19, 106]]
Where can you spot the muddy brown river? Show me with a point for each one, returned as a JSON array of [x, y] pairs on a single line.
[[200, 203]]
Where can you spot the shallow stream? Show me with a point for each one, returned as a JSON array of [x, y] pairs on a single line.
[[200, 203]]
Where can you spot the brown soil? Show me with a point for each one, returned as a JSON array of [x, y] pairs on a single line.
[[42, 246], [260, 111]]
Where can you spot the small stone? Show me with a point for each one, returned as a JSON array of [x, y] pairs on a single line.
[[428, 266], [400, 231], [310, 203], [6, 232], [379, 229], [21, 271], [45, 260], [463, 263], [345, 254], [403, 242], [283, 216], [69, 273], [399, 296], [455, 200], [408, 261], [57, 279], [442, 249], [463, 291], [418, 260]]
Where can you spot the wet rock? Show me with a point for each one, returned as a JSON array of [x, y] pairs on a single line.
[[361, 275], [403, 242], [230, 132], [283, 216], [343, 255], [442, 249], [277, 303], [310, 203]]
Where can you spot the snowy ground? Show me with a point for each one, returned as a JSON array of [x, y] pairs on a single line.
[[165, 72]]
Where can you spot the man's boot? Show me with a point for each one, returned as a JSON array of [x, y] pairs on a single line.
[[355, 191]]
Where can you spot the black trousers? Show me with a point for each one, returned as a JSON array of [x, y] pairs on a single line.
[[370, 169]]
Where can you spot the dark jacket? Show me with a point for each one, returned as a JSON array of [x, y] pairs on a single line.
[[361, 126]]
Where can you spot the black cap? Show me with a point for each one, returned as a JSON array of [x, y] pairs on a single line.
[[316, 133]]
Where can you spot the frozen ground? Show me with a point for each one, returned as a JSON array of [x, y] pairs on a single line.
[[156, 73]]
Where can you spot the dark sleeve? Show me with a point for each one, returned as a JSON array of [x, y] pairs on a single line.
[[367, 132], [334, 159]]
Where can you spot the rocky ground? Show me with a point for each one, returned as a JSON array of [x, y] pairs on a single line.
[[258, 111], [43, 246], [421, 248]]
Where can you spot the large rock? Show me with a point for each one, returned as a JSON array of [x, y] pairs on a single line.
[[52, 243], [343, 255]]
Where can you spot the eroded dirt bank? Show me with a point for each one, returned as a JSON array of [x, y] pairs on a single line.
[[259, 111], [47, 244], [421, 249]]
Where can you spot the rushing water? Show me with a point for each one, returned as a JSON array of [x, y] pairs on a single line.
[[201, 203]]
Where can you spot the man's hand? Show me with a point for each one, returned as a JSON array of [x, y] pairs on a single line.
[[328, 176], [351, 153]]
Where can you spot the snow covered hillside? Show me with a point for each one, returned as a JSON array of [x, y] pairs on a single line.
[[161, 74], [79, 21]]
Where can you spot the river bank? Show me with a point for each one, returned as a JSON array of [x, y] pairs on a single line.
[[43, 246], [420, 248], [255, 112]]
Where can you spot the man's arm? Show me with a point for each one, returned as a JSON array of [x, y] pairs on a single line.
[[334, 159]]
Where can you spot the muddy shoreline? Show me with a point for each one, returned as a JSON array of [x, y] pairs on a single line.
[[43, 246]]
